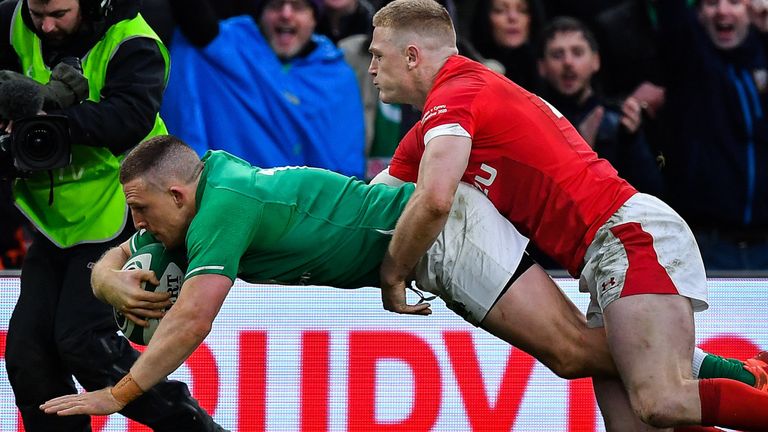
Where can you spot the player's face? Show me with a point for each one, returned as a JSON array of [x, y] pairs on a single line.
[[726, 21], [569, 63], [287, 25], [510, 22], [389, 67], [55, 20], [156, 210]]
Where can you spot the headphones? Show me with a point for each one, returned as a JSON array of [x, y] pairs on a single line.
[[95, 10]]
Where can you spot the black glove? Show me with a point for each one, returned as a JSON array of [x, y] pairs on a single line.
[[6, 75], [66, 87]]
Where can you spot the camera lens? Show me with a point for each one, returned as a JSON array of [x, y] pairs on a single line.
[[38, 144], [41, 143]]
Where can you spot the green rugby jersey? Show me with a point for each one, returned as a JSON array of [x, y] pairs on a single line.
[[293, 225]]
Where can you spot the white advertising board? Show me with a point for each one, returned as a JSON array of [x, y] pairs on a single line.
[[321, 359]]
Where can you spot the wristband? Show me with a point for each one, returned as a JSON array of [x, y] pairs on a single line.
[[126, 390]]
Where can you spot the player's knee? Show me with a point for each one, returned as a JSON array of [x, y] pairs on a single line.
[[657, 408]]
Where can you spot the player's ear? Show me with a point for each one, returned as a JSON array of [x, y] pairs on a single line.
[[179, 195], [412, 56]]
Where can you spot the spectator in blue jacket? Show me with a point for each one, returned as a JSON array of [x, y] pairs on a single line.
[[268, 79], [717, 157]]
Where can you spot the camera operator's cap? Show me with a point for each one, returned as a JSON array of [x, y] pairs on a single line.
[[317, 6]]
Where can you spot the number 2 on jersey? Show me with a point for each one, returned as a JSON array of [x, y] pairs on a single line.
[[483, 183]]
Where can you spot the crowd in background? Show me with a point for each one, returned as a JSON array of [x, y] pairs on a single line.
[[672, 93]]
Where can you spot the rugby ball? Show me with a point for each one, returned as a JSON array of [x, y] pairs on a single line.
[[169, 268]]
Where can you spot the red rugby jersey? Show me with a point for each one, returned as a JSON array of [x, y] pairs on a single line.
[[527, 158]]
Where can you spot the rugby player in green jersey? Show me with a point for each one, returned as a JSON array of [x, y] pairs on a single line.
[[298, 225]]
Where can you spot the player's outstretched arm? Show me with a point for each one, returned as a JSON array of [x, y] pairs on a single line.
[[122, 288], [180, 332]]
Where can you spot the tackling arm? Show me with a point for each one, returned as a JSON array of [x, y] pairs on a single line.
[[442, 165]]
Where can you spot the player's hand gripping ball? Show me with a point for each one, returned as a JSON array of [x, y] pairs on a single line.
[[169, 268]]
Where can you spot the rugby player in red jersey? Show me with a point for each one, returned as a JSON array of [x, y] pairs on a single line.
[[635, 256]]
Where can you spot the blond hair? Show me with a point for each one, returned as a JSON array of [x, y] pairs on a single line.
[[426, 18]]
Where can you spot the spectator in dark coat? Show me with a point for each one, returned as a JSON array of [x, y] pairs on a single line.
[[717, 97], [505, 30], [569, 59]]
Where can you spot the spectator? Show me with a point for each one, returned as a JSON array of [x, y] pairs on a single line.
[[627, 33], [58, 329], [568, 60], [717, 162], [235, 83], [504, 30], [628, 38], [343, 18]]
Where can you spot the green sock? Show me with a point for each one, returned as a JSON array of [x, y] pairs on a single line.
[[718, 367]]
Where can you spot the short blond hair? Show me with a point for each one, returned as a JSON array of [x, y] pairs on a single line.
[[427, 18]]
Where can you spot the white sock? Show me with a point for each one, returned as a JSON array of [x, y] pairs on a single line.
[[698, 359]]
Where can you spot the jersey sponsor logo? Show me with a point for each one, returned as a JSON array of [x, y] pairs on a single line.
[[435, 110]]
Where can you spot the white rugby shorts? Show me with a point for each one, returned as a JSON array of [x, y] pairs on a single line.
[[473, 258], [644, 248]]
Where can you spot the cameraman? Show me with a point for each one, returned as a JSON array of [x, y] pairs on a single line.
[[58, 328]]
